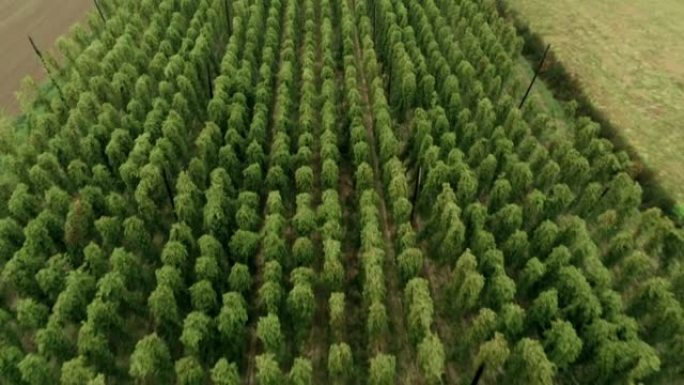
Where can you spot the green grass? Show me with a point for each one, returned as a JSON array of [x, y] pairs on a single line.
[[543, 96], [629, 59]]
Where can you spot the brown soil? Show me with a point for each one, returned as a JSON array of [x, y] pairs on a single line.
[[45, 21]]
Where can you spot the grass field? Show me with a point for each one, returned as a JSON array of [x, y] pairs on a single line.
[[45, 21], [629, 57]]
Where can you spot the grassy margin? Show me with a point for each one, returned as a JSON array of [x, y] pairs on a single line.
[[566, 87]]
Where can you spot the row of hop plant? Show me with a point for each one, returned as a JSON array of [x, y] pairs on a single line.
[[330, 214], [404, 33], [289, 176], [382, 364], [252, 238], [300, 301], [418, 304], [244, 242], [271, 330], [177, 287], [243, 154]]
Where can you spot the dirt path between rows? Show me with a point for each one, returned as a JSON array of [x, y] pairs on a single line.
[[318, 337], [45, 21], [407, 371]]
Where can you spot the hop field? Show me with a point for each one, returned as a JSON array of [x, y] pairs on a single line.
[[321, 192]]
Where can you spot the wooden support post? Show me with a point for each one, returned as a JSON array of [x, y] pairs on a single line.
[[47, 69], [229, 16], [478, 374], [389, 85], [375, 19], [169, 191], [99, 10], [209, 83], [534, 78], [416, 191]]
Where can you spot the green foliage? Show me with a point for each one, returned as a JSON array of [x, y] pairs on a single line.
[[243, 245], [377, 322], [303, 251], [501, 289], [136, 236], [304, 179], [51, 278], [225, 145], [340, 362], [267, 370], [431, 359], [189, 371], [239, 279], [197, 334], [383, 370], [333, 271], [52, 340], [304, 220], [270, 295], [363, 177], [329, 174], [493, 353], [35, 370], [73, 300], [269, 333], [466, 283], [31, 314], [150, 360], [232, 319], [544, 308], [301, 372], [203, 296], [336, 312], [207, 268], [76, 371], [301, 304], [410, 263], [225, 373], [529, 365], [420, 308], [562, 344], [163, 306], [576, 296]]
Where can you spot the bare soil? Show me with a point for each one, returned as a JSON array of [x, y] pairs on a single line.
[[45, 21]]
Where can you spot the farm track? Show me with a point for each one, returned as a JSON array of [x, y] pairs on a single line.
[[318, 338], [407, 371], [289, 330], [445, 330], [355, 331]]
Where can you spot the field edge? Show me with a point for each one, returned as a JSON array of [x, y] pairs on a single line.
[[566, 88]]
